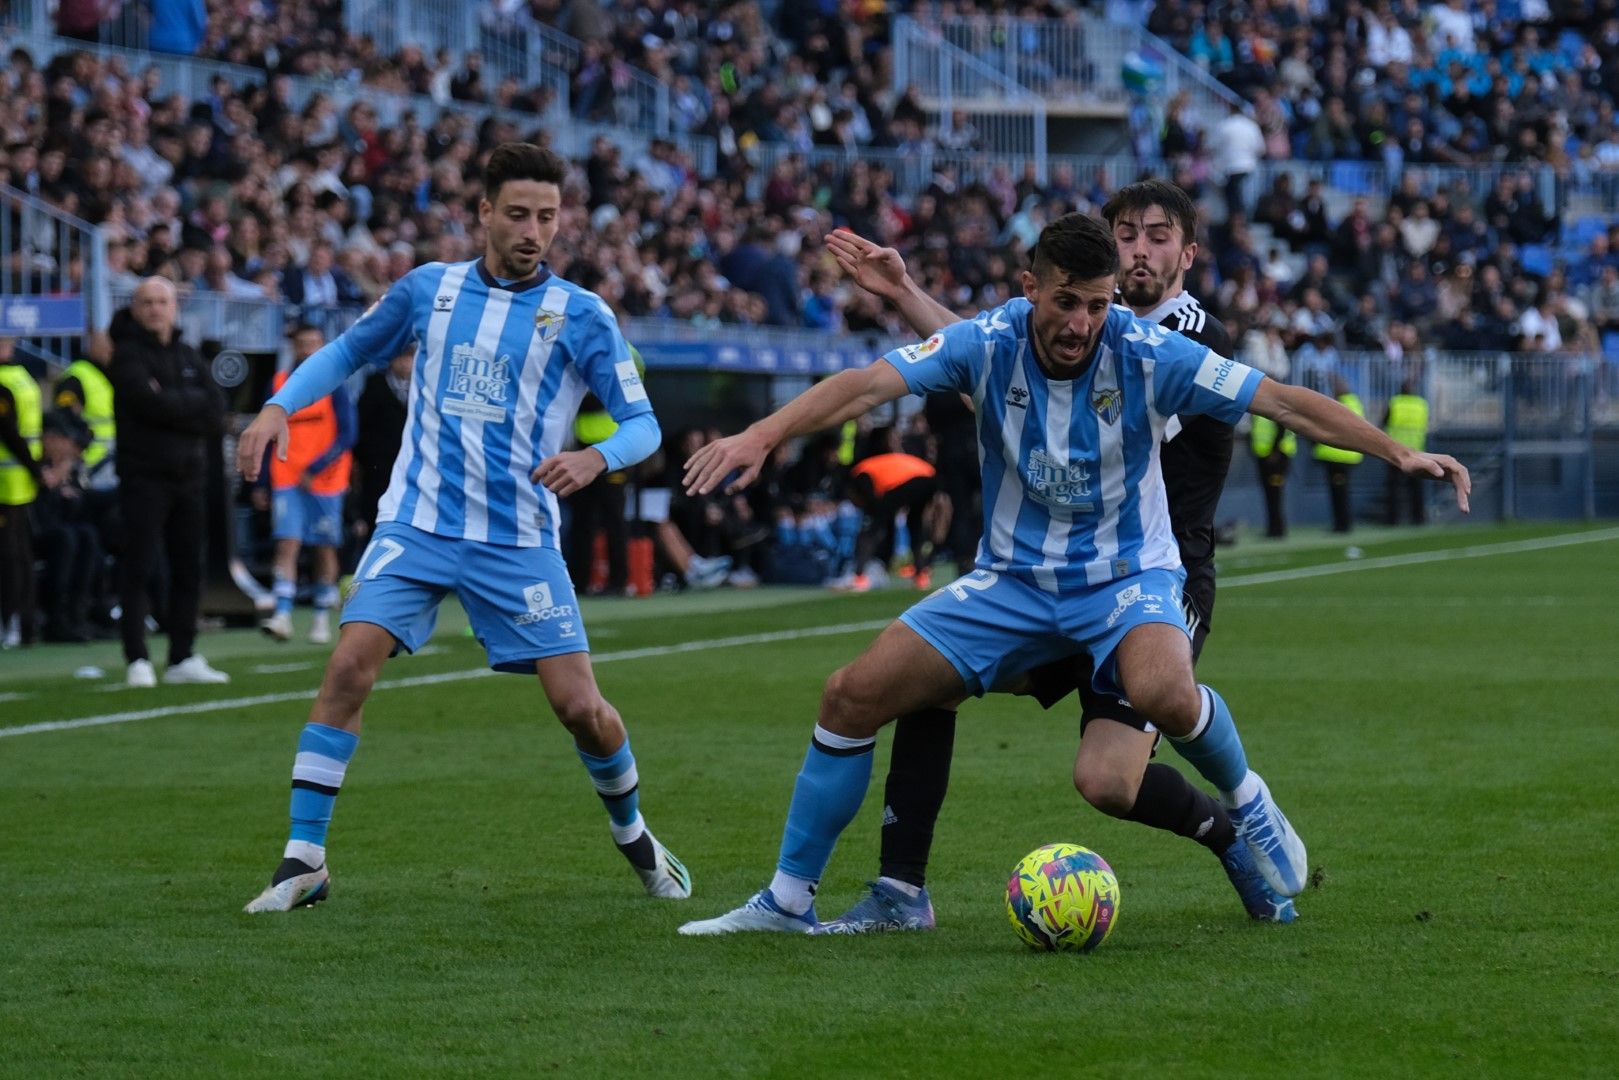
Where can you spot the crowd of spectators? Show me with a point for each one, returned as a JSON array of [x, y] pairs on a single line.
[[1397, 81]]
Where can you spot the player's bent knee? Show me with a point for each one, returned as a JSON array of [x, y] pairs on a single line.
[[844, 710], [1173, 709], [349, 675], [1110, 793], [583, 713]]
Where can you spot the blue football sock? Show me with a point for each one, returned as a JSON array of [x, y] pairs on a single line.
[[619, 787], [317, 774], [325, 596], [285, 591], [1214, 748], [830, 788]]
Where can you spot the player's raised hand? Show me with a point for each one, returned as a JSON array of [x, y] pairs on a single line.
[[269, 426], [713, 463], [877, 269], [570, 471], [1442, 467]]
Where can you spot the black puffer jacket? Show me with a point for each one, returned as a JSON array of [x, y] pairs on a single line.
[[165, 401]]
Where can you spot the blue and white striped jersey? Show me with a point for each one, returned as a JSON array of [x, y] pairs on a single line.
[[499, 375], [1073, 494]]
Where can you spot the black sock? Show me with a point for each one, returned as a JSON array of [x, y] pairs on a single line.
[[1168, 801], [918, 773], [640, 852]]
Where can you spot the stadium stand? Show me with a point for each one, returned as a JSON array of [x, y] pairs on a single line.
[[298, 166]]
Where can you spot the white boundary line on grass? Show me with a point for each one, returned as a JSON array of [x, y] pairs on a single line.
[[1417, 558], [1413, 559], [433, 680]]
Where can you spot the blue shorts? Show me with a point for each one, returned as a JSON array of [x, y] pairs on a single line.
[[993, 626], [519, 600], [296, 514]]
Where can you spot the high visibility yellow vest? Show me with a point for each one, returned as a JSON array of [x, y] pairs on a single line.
[[97, 409], [1408, 420], [1323, 452], [17, 487], [1262, 438]]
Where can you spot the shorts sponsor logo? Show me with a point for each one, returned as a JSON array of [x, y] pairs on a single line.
[[541, 609], [1222, 376], [1128, 597]]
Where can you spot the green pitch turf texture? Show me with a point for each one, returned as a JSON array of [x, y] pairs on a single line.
[[1442, 729]]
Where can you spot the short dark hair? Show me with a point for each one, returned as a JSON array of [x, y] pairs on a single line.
[[522, 161], [305, 328], [1135, 199], [1078, 246]]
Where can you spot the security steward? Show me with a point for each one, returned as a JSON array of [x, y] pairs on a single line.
[[21, 477], [1273, 448], [1407, 424]]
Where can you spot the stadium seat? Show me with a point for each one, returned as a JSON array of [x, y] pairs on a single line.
[[1351, 177], [1536, 259], [1610, 346]]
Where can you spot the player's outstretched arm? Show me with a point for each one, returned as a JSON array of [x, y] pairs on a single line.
[[881, 271], [844, 396], [1321, 419]]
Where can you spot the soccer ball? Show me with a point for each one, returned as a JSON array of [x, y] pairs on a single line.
[[1062, 897]]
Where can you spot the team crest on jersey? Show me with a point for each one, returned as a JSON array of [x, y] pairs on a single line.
[[1057, 484], [1108, 401], [477, 386], [549, 324]]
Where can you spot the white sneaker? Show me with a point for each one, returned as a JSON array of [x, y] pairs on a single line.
[[194, 669], [760, 914], [297, 890], [320, 631], [141, 674], [278, 626], [704, 573], [668, 879]]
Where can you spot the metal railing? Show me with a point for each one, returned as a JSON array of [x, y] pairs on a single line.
[[1524, 395], [53, 275], [1006, 116], [519, 47]]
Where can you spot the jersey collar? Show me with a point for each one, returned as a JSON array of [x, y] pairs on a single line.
[[1168, 307], [492, 282]]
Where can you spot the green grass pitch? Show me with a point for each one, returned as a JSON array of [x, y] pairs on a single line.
[[1440, 718]]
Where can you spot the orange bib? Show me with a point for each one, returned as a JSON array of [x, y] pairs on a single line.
[[311, 432]]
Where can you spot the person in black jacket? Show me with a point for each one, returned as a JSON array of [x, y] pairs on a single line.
[[381, 413], [167, 408]]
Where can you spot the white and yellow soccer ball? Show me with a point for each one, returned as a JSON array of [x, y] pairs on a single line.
[[1063, 898]]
